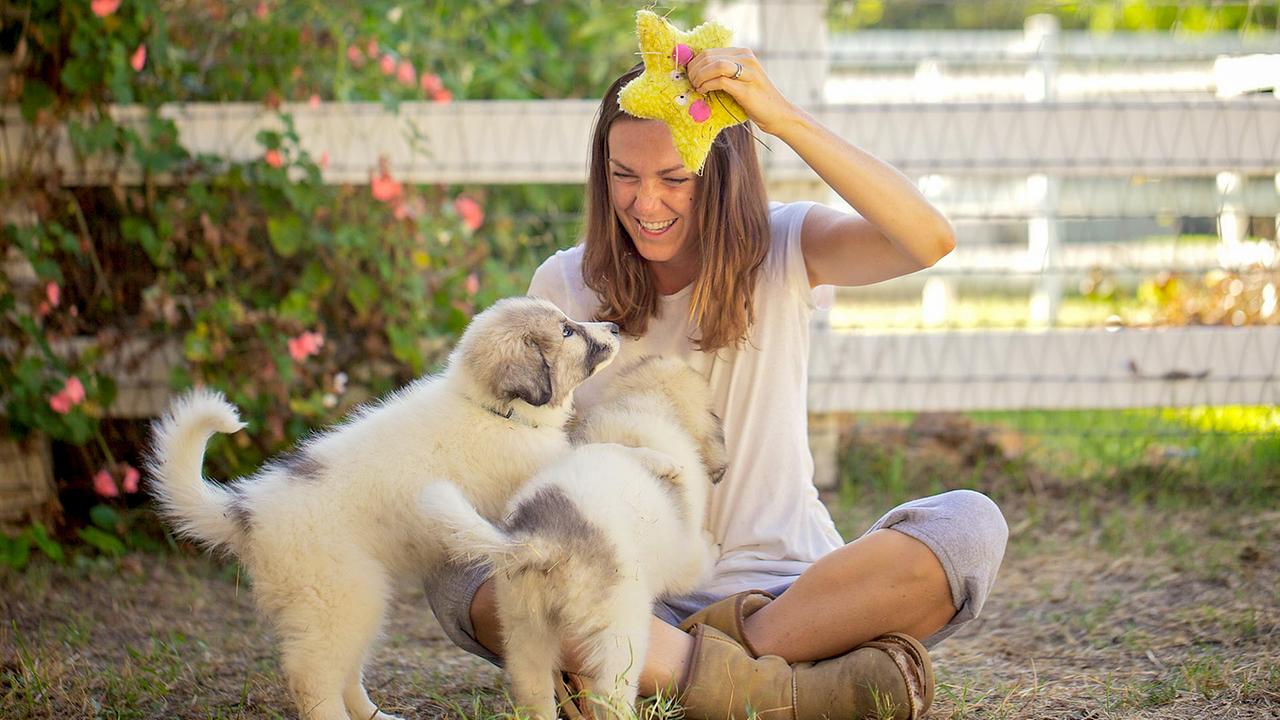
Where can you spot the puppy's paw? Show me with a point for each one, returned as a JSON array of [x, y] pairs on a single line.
[[660, 465]]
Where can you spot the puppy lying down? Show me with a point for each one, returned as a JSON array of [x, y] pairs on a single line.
[[326, 532], [588, 544]]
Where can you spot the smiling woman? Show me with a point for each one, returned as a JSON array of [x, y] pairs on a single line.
[[661, 228]]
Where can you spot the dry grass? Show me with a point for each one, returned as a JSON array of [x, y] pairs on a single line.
[[1110, 604]]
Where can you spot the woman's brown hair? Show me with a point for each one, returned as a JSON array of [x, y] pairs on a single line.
[[731, 227]]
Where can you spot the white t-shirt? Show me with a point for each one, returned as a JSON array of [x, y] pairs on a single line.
[[765, 514]]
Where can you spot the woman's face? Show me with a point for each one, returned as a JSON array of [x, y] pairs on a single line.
[[653, 196]]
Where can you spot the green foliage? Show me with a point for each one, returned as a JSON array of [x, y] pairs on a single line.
[[1103, 16], [296, 298], [15, 552]]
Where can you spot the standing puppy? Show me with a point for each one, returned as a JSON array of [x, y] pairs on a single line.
[[592, 540], [328, 531]]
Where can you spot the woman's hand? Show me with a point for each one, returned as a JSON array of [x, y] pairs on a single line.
[[737, 71]]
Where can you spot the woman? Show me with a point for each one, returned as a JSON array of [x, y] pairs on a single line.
[[702, 267]]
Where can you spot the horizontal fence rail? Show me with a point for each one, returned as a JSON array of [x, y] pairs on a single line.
[[544, 141], [1049, 370]]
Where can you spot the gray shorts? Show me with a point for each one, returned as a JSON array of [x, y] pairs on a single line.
[[963, 528]]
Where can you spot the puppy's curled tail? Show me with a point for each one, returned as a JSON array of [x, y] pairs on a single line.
[[194, 507], [468, 536]]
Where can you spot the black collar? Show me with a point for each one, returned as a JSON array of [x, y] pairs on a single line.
[[510, 414]]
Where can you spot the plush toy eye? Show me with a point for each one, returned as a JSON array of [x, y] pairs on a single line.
[[567, 331], [677, 75], [682, 100]]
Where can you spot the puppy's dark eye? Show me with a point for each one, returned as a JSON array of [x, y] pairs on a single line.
[[568, 331]]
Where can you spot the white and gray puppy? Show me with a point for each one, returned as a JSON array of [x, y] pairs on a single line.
[[328, 532], [593, 539]]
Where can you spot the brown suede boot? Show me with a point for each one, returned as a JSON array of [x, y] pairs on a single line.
[[889, 677], [570, 701], [729, 615]]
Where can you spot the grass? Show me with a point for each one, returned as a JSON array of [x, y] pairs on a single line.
[[1139, 582], [1141, 578]]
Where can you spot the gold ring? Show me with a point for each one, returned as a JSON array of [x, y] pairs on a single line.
[[737, 73]]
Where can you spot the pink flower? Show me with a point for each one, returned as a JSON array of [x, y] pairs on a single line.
[[138, 59], [60, 403], [442, 96], [313, 101], [371, 47], [385, 189], [324, 160], [405, 73], [105, 485], [53, 293], [473, 284], [274, 158], [43, 309], [387, 64], [103, 8], [262, 11], [131, 478], [430, 83], [305, 345], [470, 211], [74, 390], [71, 395], [355, 55]]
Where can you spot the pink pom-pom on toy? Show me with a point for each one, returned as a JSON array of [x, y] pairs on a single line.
[[700, 111], [682, 54]]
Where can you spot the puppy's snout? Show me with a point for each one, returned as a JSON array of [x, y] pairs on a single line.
[[604, 340]]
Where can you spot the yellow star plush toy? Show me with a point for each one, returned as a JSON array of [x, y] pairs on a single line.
[[663, 92]]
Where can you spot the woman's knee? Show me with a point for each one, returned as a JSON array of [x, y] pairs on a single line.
[[983, 515], [967, 532]]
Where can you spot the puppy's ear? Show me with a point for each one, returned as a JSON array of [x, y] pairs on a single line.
[[716, 474], [529, 379]]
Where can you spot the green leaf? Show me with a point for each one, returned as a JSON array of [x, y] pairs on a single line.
[[107, 390], [47, 545], [109, 545], [362, 293], [120, 75], [81, 74], [140, 231], [16, 552], [404, 347], [105, 517], [297, 306], [36, 96], [286, 234], [316, 279]]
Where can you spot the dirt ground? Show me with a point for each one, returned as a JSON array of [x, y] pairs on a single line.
[[1107, 606]]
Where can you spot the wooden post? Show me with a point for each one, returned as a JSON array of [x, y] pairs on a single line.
[[1043, 228]]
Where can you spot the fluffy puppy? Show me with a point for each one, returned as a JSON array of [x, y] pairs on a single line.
[[327, 531], [589, 543]]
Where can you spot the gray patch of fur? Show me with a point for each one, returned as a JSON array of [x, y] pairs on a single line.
[[549, 513], [300, 465], [238, 511]]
